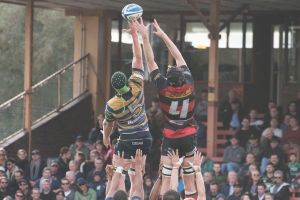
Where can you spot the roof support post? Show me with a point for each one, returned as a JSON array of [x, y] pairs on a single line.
[[28, 73], [213, 79]]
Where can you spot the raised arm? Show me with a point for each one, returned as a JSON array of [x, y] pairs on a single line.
[[117, 176], [138, 190], [176, 163], [137, 60], [144, 30], [170, 45], [155, 191], [200, 186]]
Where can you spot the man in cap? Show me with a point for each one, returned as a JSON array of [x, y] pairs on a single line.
[[126, 109], [177, 101]]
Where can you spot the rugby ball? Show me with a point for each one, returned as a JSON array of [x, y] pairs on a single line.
[[132, 12]]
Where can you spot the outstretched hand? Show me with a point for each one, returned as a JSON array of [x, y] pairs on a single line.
[[174, 157], [119, 160], [158, 31], [138, 160], [144, 30], [132, 29], [198, 158]]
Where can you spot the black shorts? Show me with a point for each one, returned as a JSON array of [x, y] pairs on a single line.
[[186, 145], [129, 146]]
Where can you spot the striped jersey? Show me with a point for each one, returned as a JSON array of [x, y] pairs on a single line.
[[177, 104], [128, 110]]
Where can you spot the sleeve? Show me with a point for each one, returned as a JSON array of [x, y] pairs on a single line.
[[108, 114], [187, 74], [137, 77], [159, 81]]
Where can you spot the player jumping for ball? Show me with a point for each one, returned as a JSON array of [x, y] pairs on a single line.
[[127, 109], [177, 101]]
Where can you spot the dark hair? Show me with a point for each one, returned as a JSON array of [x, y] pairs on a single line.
[[260, 183], [171, 195], [155, 99], [11, 160], [214, 183], [120, 195], [63, 150]]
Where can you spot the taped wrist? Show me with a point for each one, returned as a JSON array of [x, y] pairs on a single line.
[[188, 171], [167, 170]]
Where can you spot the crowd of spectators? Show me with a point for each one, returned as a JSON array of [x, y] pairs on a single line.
[[260, 161]]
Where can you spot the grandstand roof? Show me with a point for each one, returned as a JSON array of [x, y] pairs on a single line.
[[167, 5]]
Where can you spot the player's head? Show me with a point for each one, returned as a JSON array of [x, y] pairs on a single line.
[[175, 76], [120, 195], [171, 195], [119, 82]]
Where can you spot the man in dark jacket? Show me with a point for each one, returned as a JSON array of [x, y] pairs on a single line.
[[281, 189]]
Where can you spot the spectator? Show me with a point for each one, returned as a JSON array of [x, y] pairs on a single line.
[[286, 123], [84, 192], [148, 184], [97, 132], [59, 195], [273, 130], [63, 161], [11, 168], [261, 192], [54, 183], [54, 168], [226, 111], [268, 177], [4, 190], [19, 175], [68, 192], [269, 196], [233, 156], [273, 113], [19, 195], [98, 184], [292, 109], [37, 165], [269, 147], [213, 191], [98, 167], [3, 157], [217, 175], [237, 192], [274, 159], [201, 108], [88, 165], [47, 193], [25, 188], [228, 188], [255, 122], [251, 186], [246, 197], [35, 194], [291, 137], [22, 161], [79, 146], [101, 150], [70, 176], [281, 189], [253, 146], [293, 165], [244, 170], [207, 164], [245, 131], [73, 166]]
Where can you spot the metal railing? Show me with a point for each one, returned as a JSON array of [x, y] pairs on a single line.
[[48, 96]]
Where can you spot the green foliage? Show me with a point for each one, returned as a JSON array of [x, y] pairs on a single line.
[[53, 47]]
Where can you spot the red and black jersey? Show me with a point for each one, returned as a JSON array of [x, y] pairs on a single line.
[[177, 104]]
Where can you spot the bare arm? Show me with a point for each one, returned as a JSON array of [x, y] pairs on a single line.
[[170, 45], [152, 65], [107, 130], [176, 163], [155, 189], [138, 190], [137, 60], [200, 186], [117, 176]]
